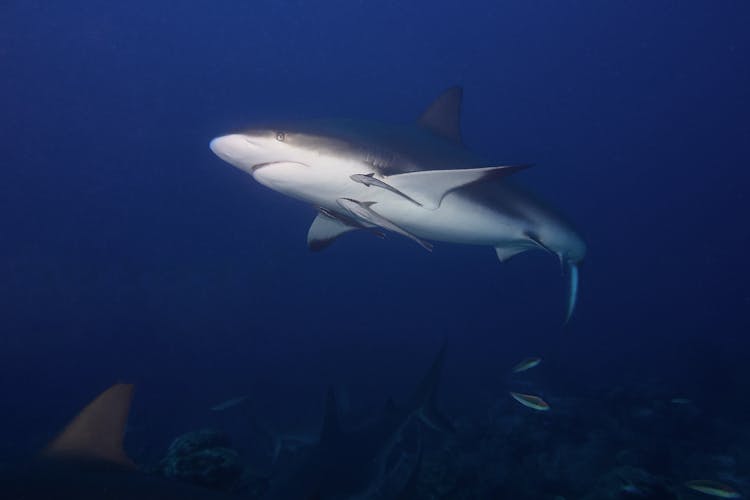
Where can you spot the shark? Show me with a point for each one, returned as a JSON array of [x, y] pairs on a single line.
[[353, 463], [87, 462], [415, 179]]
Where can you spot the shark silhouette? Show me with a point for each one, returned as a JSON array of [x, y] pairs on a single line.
[[350, 463]]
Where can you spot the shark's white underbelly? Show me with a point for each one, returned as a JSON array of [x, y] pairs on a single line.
[[458, 219]]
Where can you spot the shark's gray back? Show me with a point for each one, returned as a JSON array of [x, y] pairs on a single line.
[[390, 149]]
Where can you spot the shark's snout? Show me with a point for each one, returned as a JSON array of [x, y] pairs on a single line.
[[246, 152], [229, 148], [215, 145]]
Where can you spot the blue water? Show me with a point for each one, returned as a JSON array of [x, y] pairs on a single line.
[[129, 252]]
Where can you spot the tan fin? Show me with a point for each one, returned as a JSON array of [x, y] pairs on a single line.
[[97, 431]]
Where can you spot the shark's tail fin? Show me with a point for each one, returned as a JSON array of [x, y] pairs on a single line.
[[97, 432], [572, 290], [424, 400]]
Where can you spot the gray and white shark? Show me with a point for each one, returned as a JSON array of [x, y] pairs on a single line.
[[418, 177], [351, 463]]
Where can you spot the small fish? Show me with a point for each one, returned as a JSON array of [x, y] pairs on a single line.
[[363, 211], [680, 401], [526, 364], [230, 403], [370, 180], [712, 488], [533, 402]]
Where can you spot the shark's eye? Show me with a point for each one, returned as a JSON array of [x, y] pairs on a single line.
[[280, 136]]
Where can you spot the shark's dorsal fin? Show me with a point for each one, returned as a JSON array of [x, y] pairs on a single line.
[[429, 187], [424, 400], [97, 432], [443, 116], [331, 427]]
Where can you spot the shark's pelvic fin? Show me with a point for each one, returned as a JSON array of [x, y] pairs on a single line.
[[443, 116], [331, 429], [572, 290], [97, 432], [429, 187], [505, 253], [325, 229], [370, 180]]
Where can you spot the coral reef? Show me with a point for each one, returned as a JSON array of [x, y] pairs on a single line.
[[203, 457], [616, 445]]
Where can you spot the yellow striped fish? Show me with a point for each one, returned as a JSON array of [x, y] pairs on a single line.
[[713, 488], [533, 402], [526, 364]]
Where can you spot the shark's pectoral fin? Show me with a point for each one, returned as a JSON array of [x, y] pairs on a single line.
[[370, 180], [325, 229], [98, 430], [429, 187]]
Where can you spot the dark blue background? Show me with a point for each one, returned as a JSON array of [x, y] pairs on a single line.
[[129, 252]]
